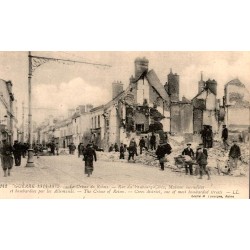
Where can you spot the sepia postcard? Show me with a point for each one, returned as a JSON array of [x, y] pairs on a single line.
[[124, 125]]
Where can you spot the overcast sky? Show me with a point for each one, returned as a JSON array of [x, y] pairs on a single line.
[[66, 86]]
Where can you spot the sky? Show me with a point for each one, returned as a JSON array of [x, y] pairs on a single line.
[[63, 86]]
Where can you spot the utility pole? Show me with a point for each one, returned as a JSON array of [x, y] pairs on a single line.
[[30, 162], [33, 63]]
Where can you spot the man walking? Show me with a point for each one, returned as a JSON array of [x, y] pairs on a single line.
[[224, 137], [234, 155], [188, 164], [202, 161], [17, 152], [142, 144], [204, 151], [122, 151], [153, 141]]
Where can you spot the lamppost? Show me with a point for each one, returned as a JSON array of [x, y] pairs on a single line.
[[33, 63], [30, 162]]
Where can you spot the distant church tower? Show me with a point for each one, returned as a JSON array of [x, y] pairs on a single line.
[[201, 83], [173, 86]]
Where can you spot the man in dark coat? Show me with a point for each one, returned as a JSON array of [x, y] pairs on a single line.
[[209, 137], [234, 155], [201, 145], [6, 151], [204, 135], [122, 151], [80, 149], [89, 155], [116, 147], [202, 161], [161, 151], [224, 137], [153, 141], [142, 144], [17, 152], [188, 165]]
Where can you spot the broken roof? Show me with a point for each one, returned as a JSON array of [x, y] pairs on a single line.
[[156, 84]]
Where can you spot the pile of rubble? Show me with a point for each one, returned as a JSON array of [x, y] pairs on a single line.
[[217, 158]]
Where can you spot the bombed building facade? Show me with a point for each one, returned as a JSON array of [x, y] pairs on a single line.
[[143, 107], [146, 105], [236, 103], [206, 106]]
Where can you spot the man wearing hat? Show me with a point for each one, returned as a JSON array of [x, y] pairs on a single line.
[[224, 137], [201, 159], [203, 150], [188, 165], [234, 155]]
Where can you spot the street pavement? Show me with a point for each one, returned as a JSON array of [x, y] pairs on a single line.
[[68, 170]]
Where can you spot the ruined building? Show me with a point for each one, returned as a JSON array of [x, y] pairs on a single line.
[[141, 108], [237, 105], [181, 112], [206, 106]]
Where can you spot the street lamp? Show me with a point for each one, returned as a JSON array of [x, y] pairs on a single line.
[[35, 62], [30, 162]]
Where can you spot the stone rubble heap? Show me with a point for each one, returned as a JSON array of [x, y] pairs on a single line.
[[217, 158]]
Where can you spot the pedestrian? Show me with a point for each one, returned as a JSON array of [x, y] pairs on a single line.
[[17, 152], [116, 147], [6, 151], [209, 137], [146, 142], [80, 149], [234, 155], [202, 162], [122, 151], [133, 145], [188, 164], [52, 148], [131, 153], [70, 148], [142, 144], [224, 137], [111, 148], [153, 141], [204, 135], [161, 151], [201, 145], [24, 149], [89, 155], [57, 148], [73, 148]]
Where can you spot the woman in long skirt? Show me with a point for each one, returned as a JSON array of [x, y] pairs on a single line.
[[89, 156], [6, 157]]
